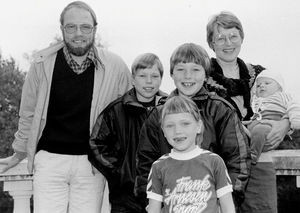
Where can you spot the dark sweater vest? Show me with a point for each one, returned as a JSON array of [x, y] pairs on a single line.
[[68, 116]]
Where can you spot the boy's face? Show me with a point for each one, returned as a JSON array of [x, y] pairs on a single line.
[[181, 130], [266, 87], [188, 78], [146, 83]]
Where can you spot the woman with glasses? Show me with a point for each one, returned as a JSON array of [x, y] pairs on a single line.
[[225, 36]]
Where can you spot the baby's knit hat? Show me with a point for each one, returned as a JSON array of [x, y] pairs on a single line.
[[275, 75]]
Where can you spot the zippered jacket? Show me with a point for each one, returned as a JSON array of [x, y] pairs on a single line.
[[112, 79], [113, 143]]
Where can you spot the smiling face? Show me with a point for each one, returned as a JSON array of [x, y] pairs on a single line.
[[229, 51], [188, 78], [181, 130], [78, 43], [266, 87], [146, 83]]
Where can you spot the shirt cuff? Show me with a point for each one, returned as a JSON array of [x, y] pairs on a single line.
[[224, 190], [154, 196]]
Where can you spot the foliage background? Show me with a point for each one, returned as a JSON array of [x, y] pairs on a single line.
[[11, 81]]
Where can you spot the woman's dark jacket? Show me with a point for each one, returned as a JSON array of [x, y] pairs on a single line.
[[235, 87], [223, 134], [113, 143]]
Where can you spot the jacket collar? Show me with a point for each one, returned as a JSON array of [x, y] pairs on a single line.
[[131, 99], [40, 56], [202, 94]]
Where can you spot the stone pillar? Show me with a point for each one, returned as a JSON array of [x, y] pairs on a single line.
[[18, 182], [21, 191]]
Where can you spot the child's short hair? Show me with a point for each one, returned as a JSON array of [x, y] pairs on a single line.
[[180, 104], [226, 20], [146, 60], [190, 53]]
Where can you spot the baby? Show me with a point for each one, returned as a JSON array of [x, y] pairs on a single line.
[[270, 102]]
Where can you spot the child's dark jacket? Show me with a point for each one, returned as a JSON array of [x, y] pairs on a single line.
[[113, 144]]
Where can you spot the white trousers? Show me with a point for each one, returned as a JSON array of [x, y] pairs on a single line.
[[66, 183]]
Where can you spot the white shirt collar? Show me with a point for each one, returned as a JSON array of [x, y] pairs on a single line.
[[187, 155]]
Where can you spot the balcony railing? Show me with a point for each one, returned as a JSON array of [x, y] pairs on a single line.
[[18, 182]]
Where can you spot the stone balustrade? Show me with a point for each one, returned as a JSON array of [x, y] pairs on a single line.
[[287, 162], [18, 182]]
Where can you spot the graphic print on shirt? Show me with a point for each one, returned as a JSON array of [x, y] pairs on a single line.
[[189, 196]]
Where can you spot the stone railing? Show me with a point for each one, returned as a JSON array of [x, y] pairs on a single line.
[[287, 162], [18, 182]]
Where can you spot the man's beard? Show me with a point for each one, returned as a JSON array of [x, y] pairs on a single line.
[[79, 51]]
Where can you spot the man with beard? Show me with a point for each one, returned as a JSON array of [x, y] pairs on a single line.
[[66, 88]]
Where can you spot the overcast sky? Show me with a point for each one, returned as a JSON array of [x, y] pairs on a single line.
[[132, 27]]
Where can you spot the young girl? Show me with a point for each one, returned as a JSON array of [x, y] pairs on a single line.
[[189, 179]]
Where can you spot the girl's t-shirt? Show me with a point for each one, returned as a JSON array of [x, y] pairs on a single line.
[[189, 182]]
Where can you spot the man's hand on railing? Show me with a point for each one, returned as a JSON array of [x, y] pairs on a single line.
[[10, 161], [277, 133]]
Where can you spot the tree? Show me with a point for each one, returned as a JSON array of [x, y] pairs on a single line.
[[11, 81]]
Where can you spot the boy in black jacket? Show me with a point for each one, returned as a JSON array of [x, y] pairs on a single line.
[[115, 136]]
